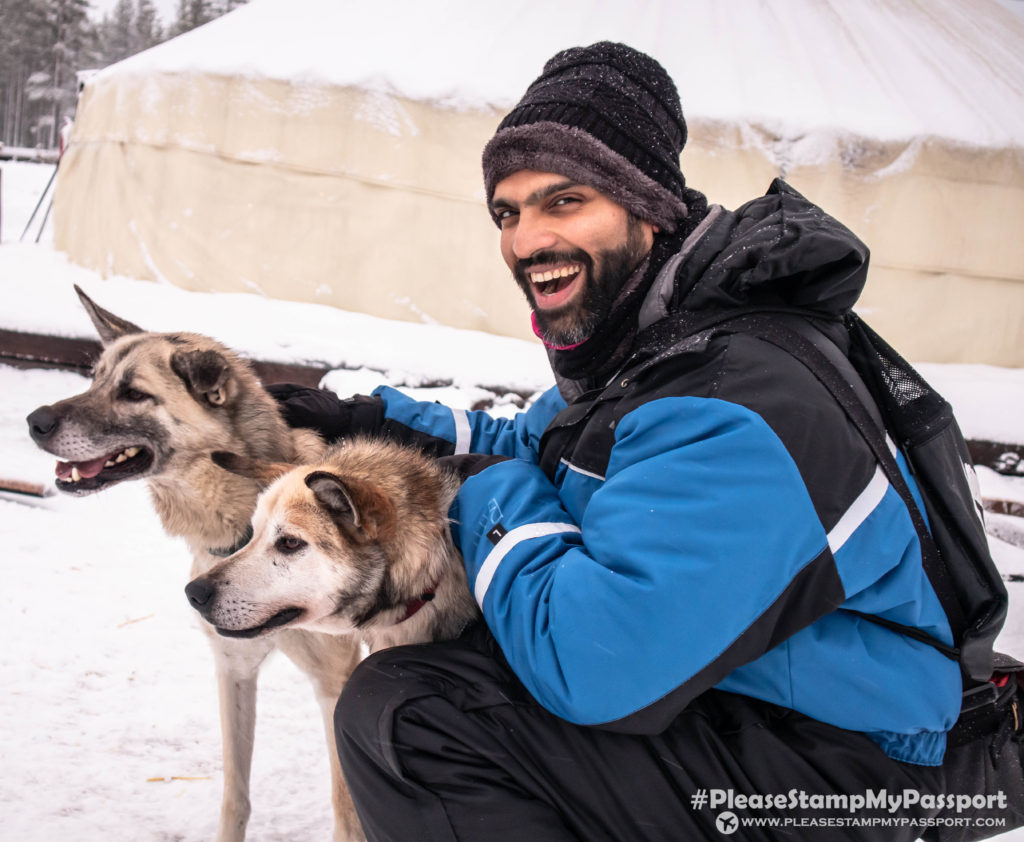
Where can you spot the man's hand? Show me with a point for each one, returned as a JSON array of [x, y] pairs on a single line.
[[323, 411]]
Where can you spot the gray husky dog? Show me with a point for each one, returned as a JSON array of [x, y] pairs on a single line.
[[159, 404]]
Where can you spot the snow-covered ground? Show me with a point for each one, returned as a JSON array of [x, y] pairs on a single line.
[[108, 719]]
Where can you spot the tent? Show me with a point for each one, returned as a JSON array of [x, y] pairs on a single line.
[[328, 150]]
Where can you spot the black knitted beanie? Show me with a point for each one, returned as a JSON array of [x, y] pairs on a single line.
[[608, 116]]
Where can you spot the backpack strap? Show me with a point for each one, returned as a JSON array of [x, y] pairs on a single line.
[[841, 381]]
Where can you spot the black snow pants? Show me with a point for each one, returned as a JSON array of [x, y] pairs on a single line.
[[441, 742]]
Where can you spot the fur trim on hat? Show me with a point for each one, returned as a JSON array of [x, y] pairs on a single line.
[[572, 152]]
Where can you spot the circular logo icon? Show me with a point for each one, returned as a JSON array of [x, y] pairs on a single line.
[[727, 823]]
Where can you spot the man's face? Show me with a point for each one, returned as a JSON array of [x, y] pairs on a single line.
[[570, 249]]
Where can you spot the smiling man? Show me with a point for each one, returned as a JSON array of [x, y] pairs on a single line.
[[677, 551], [570, 253]]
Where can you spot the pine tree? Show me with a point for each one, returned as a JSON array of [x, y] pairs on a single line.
[[118, 32], [148, 31], [42, 43], [132, 28], [68, 27], [192, 13]]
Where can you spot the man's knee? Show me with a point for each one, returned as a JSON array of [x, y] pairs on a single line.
[[464, 673], [376, 689]]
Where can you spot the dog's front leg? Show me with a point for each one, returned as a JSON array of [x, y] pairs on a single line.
[[238, 664], [328, 660], [346, 823]]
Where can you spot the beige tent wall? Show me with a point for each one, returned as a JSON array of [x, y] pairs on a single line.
[[332, 195], [373, 203], [943, 224]]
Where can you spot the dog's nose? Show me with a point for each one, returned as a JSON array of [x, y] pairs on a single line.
[[42, 423], [199, 592]]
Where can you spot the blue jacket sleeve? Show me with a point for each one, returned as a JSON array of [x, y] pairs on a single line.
[[698, 551], [443, 431]]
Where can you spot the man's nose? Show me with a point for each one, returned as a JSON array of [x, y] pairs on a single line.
[[531, 236]]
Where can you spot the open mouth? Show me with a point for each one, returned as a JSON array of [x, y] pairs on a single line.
[[554, 286], [281, 618], [93, 474]]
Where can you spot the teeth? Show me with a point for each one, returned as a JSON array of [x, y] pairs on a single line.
[[544, 277], [124, 456]]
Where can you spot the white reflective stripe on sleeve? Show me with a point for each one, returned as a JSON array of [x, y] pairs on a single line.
[[507, 543], [577, 470], [463, 432], [863, 506]]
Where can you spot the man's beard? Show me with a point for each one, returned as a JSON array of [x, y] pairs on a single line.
[[577, 320]]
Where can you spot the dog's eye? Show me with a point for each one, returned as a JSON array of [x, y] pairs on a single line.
[[289, 544], [133, 395]]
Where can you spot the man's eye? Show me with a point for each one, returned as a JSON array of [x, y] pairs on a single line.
[[133, 395], [563, 201], [289, 544], [504, 214]]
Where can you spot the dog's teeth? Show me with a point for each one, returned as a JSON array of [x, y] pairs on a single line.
[[108, 464], [132, 451], [121, 457], [75, 476]]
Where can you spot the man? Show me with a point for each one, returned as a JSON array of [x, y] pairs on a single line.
[[675, 549]]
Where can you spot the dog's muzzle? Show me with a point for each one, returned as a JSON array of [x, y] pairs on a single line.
[[202, 593]]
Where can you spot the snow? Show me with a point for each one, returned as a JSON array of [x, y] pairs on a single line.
[[21, 185], [988, 400], [884, 70], [109, 712]]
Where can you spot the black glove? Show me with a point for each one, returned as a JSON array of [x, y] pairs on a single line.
[[466, 465], [323, 411]]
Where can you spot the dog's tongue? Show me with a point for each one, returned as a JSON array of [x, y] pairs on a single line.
[[85, 469]]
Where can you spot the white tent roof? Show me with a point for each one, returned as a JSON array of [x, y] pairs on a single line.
[[952, 69]]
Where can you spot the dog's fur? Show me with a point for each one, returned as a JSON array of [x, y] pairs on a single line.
[[161, 403], [355, 543]]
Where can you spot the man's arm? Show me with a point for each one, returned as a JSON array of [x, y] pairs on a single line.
[[699, 550], [435, 429]]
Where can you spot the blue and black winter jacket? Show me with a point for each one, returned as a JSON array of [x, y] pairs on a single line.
[[707, 519]]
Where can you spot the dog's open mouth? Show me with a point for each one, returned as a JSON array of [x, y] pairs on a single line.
[[93, 474], [281, 618]]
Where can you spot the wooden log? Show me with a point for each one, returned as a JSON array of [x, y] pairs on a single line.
[[20, 486], [35, 350], [1004, 507], [1002, 457]]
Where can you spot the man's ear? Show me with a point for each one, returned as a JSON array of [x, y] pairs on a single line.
[[263, 472], [358, 510], [204, 372], [108, 326]]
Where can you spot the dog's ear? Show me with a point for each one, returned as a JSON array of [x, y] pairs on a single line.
[[205, 373], [108, 326], [357, 509], [263, 472]]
